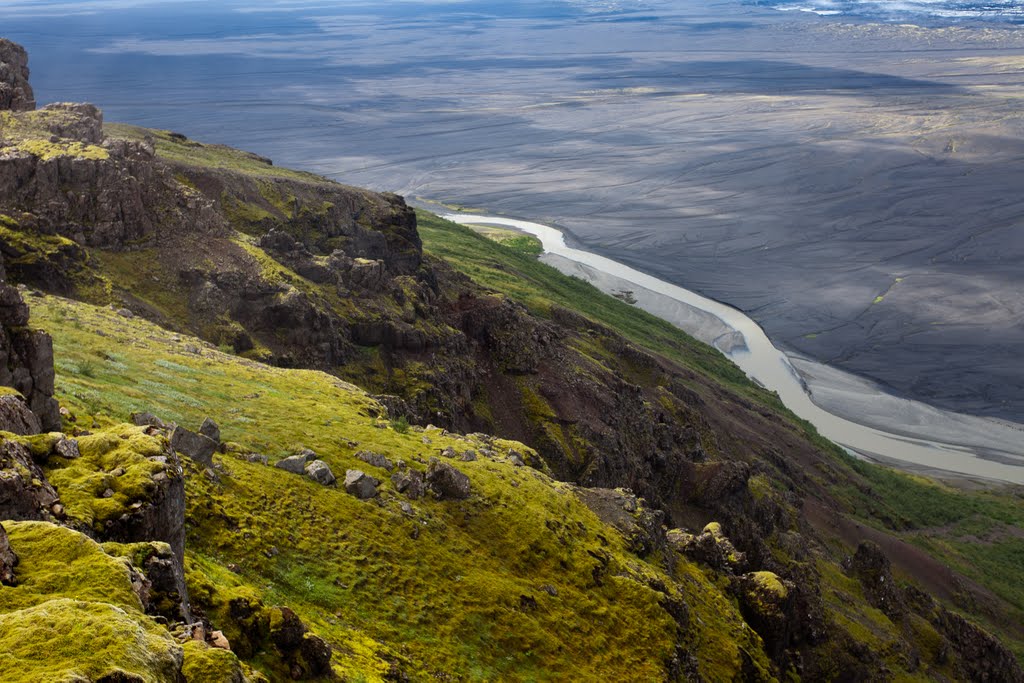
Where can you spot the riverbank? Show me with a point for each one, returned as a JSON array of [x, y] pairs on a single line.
[[849, 410]]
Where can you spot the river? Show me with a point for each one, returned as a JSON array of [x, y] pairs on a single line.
[[859, 416]]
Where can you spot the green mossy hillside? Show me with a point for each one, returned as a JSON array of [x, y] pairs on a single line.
[[519, 582]]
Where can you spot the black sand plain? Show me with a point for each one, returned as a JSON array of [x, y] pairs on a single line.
[[856, 187]]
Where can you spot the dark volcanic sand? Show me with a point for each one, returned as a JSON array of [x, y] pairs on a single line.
[[855, 187]]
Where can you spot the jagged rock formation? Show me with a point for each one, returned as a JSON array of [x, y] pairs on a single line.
[[15, 91], [26, 365]]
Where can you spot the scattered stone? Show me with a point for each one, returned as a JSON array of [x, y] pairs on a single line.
[[320, 472], [468, 456], [296, 464], [219, 640], [406, 508], [148, 420], [410, 483], [210, 430], [307, 453], [66, 414], [67, 448], [196, 446], [550, 590], [125, 313], [234, 568], [199, 632], [108, 493], [427, 440], [360, 484], [117, 472], [515, 459], [8, 560], [449, 452], [445, 482], [375, 459], [256, 458]]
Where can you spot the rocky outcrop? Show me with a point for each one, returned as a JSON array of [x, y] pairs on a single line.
[[872, 568], [15, 92], [710, 547], [766, 604], [8, 560], [26, 364], [640, 525], [25, 493]]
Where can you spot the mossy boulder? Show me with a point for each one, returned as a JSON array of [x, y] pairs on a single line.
[[77, 604]]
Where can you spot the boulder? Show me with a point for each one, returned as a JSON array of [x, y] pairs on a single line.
[[196, 446], [445, 482], [8, 560], [296, 464], [410, 483], [15, 416], [15, 92], [67, 448], [360, 484], [145, 419], [376, 459], [468, 456], [210, 430], [320, 472]]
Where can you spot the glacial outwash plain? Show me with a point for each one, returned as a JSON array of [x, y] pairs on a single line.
[[265, 415]]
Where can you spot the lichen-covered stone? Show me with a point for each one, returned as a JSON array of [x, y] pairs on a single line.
[[445, 482], [320, 472]]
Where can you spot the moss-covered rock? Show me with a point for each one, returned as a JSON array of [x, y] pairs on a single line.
[[76, 604]]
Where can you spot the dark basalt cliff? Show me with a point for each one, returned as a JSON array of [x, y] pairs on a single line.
[[292, 270]]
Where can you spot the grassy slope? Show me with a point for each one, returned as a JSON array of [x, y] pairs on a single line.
[[978, 533], [440, 590]]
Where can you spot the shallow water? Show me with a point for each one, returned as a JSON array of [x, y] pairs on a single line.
[[982, 448]]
